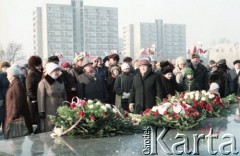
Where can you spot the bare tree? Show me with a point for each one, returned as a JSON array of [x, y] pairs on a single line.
[[12, 53]]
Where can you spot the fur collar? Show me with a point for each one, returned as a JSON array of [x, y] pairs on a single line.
[[50, 80]]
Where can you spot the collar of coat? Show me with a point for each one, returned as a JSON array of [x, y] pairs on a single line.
[[148, 72], [50, 80], [13, 81]]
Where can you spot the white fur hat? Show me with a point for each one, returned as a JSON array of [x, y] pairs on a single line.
[[213, 86], [125, 66], [14, 70], [50, 67]]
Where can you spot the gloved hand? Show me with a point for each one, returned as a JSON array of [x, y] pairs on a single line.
[[127, 95], [124, 95], [131, 107], [42, 115]]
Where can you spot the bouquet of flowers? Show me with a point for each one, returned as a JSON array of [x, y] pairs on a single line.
[[172, 114], [208, 102], [89, 119]]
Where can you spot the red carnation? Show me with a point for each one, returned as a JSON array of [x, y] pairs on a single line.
[[208, 108], [155, 113], [92, 118], [104, 114], [147, 112], [73, 105], [81, 114], [82, 102]]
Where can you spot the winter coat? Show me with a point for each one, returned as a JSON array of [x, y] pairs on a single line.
[[145, 90], [201, 76], [91, 88], [51, 93], [4, 83], [169, 86], [187, 86], [220, 78], [32, 81], [16, 105], [110, 89], [233, 81]]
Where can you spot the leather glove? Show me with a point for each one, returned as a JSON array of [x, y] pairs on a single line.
[[131, 107], [42, 115]]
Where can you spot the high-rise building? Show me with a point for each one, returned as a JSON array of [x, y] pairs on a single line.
[[167, 40], [37, 32], [128, 41], [101, 29], [71, 28]]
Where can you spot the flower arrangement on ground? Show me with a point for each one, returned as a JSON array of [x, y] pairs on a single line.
[[90, 119]]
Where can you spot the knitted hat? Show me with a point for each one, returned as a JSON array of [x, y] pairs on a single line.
[[188, 71], [34, 61], [125, 66], [66, 65], [50, 67], [77, 58], [144, 61], [13, 70], [213, 86], [235, 62], [53, 59], [166, 70]]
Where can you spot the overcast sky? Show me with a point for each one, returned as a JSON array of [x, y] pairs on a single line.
[[206, 20]]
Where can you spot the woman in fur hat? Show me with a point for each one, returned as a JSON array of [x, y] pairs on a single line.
[[50, 95], [180, 66], [33, 78]]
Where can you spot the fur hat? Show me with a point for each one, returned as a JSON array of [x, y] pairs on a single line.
[[66, 65], [4, 64], [235, 62], [165, 64], [114, 56], [34, 61], [166, 70], [114, 68], [144, 61], [127, 59], [14, 70], [125, 66], [53, 59], [105, 59], [50, 67], [222, 61], [188, 71], [195, 56], [180, 60], [213, 86], [77, 58]]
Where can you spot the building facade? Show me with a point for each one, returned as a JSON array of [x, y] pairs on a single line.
[[71, 28], [128, 41]]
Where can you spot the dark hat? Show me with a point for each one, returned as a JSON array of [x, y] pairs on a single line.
[[165, 64], [127, 59], [5, 64], [65, 65], [34, 61], [53, 59], [236, 61], [195, 56], [166, 70], [105, 59], [212, 62], [143, 61], [114, 56], [222, 61]]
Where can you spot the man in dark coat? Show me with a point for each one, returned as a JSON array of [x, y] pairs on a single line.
[[200, 72], [146, 87], [233, 75], [33, 78]]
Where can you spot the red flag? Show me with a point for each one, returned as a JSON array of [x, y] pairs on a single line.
[[200, 50], [194, 50], [144, 52], [150, 51]]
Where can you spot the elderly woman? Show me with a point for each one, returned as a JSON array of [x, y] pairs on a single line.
[[145, 88], [180, 66], [50, 95], [90, 85], [16, 107]]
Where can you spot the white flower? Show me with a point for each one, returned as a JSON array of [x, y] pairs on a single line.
[[204, 92], [196, 97], [203, 99], [104, 108], [98, 103], [191, 96], [90, 101], [90, 106], [108, 105], [114, 110], [211, 96], [155, 108], [162, 108], [177, 108], [56, 132]]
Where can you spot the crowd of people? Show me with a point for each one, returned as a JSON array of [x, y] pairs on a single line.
[[34, 91]]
